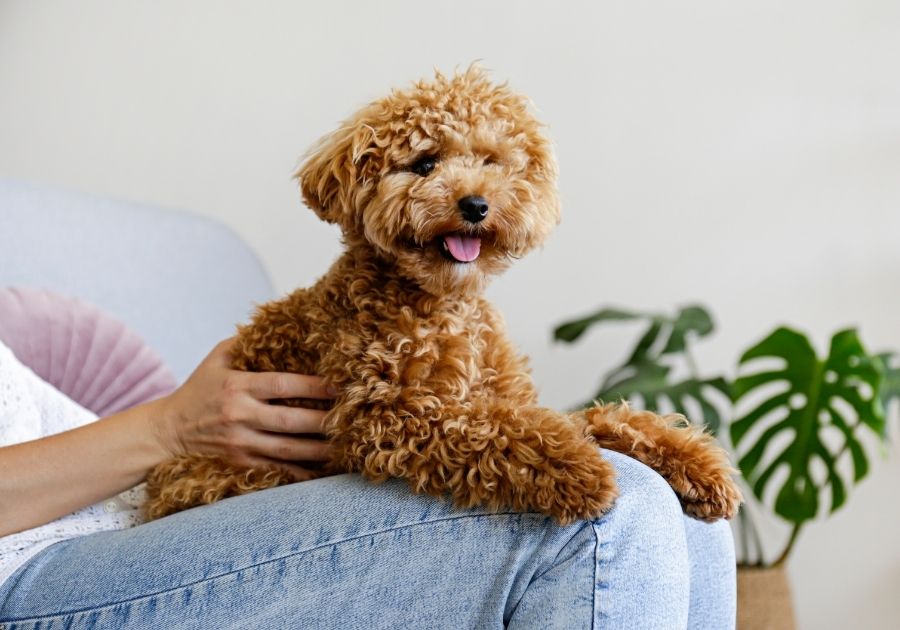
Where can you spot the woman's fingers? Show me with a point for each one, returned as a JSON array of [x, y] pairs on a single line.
[[275, 385], [282, 419]]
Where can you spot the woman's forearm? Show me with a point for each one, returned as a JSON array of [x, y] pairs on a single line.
[[217, 411], [45, 479]]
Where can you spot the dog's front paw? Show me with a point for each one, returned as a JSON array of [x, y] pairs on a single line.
[[580, 491], [707, 490], [571, 482], [557, 470]]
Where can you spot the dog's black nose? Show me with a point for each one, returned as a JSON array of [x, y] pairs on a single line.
[[474, 208]]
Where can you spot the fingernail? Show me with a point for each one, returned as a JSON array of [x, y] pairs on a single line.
[[332, 390]]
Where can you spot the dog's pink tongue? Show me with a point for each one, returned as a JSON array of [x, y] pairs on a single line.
[[463, 248]]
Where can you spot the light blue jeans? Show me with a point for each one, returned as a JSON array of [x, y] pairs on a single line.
[[343, 553]]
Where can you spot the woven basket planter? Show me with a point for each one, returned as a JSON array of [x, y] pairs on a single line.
[[764, 599]]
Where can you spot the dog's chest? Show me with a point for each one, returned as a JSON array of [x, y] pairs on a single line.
[[437, 354]]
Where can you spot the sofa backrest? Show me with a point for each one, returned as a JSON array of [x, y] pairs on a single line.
[[179, 280]]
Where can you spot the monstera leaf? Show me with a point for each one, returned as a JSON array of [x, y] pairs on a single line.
[[643, 376], [651, 382], [890, 386], [570, 331], [689, 320], [841, 391]]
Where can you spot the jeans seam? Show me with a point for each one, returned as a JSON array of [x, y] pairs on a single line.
[[537, 576], [596, 609], [552, 563], [594, 584], [299, 552]]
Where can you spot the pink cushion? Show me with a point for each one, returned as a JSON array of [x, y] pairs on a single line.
[[84, 352]]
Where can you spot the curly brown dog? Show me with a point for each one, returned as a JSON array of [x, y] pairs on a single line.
[[436, 189]]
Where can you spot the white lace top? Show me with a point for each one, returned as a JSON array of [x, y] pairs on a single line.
[[30, 409]]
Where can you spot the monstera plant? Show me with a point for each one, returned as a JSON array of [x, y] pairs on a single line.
[[798, 423]]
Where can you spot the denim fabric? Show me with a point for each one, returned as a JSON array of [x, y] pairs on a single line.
[[343, 553]]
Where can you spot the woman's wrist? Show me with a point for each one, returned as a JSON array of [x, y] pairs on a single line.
[[163, 418], [140, 436]]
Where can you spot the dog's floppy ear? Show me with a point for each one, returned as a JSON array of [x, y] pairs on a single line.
[[334, 169]]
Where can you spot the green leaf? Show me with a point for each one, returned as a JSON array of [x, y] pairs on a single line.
[[649, 381], [807, 403], [643, 376], [642, 379], [890, 386], [693, 319], [696, 389], [690, 319], [570, 331], [641, 351]]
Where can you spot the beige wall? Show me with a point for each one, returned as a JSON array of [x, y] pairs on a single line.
[[741, 154]]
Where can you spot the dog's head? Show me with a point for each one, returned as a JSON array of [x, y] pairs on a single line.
[[448, 180]]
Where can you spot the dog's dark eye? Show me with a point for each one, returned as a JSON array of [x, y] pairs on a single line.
[[423, 166]]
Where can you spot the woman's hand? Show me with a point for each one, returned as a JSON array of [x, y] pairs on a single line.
[[220, 411]]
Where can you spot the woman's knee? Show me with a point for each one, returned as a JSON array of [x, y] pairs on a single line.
[[642, 558], [644, 496], [713, 587]]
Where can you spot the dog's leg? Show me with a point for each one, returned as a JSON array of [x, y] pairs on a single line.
[[498, 456], [272, 342], [193, 480], [506, 371], [686, 456]]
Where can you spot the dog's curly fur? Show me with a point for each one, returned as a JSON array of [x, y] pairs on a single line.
[[431, 389]]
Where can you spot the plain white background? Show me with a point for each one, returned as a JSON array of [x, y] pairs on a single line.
[[745, 155]]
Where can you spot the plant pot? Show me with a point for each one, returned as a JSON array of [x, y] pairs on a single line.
[[764, 599]]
